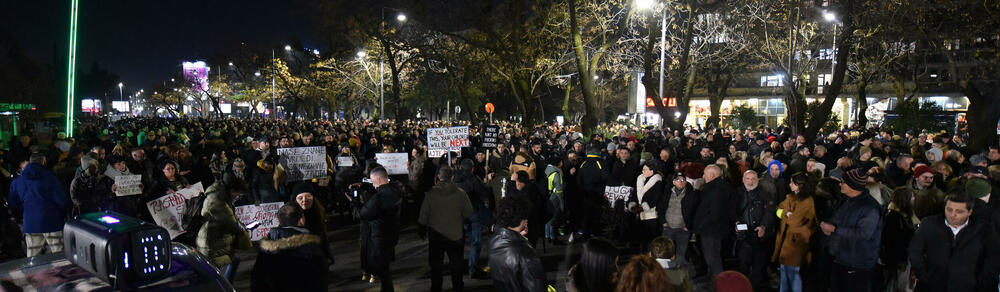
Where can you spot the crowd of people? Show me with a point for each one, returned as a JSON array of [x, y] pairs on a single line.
[[747, 209]]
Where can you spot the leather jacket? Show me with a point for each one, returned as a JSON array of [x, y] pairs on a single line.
[[515, 266]]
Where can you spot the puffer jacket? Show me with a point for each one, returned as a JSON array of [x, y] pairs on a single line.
[[221, 232], [40, 194], [855, 242], [514, 265]]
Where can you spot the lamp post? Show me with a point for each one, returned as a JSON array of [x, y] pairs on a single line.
[[401, 18], [649, 4], [832, 18]]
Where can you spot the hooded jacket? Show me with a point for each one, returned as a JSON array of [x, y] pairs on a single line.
[[221, 232], [444, 209], [515, 266], [38, 192], [290, 259]]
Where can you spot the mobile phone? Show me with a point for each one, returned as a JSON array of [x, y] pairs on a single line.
[[366, 180], [741, 227], [355, 193], [253, 225]]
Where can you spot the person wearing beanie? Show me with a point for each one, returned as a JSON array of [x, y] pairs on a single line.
[[854, 234], [732, 281], [927, 199], [90, 189]]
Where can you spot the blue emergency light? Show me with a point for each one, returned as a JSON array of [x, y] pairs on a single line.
[[118, 249]]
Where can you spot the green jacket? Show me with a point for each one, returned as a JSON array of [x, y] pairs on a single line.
[[444, 209], [222, 231]]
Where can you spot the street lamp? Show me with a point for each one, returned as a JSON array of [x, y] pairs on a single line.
[[230, 64], [288, 48], [256, 73], [829, 16], [121, 94], [361, 54], [401, 17], [832, 18], [315, 52]]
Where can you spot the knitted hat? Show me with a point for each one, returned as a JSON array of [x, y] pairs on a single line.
[[732, 281], [921, 170], [612, 146], [87, 162], [863, 150], [856, 179], [837, 174], [977, 188], [976, 159]]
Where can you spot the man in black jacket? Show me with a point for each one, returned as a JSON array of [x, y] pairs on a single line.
[[711, 219], [290, 259], [592, 177], [625, 170], [753, 226], [854, 232], [379, 234], [515, 266], [947, 251]]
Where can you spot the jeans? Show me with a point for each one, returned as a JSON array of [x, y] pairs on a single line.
[[843, 278], [791, 280], [681, 239], [712, 247], [557, 209], [439, 246], [229, 271], [475, 233]]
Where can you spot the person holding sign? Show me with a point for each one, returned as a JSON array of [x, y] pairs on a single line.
[[222, 234], [645, 200], [90, 190]]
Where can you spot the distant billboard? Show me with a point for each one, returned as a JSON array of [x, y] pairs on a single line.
[[197, 74]]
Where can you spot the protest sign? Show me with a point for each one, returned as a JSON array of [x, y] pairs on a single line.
[[447, 138], [266, 214], [167, 210], [436, 153], [614, 193], [490, 134], [128, 185], [303, 163], [345, 161], [394, 163]]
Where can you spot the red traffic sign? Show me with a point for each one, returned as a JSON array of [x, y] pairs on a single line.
[[489, 107]]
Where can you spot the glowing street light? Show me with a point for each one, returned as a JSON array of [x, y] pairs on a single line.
[[315, 52], [361, 54], [401, 17], [645, 4], [230, 64], [256, 73], [829, 16], [288, 48]]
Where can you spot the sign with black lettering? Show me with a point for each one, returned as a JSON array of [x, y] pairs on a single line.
[[490, 135], [303, 163]]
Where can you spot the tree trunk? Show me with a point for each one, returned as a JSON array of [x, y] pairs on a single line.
[[565, 105], [593, 113], [984, 112], [717, 88], [862, 101]]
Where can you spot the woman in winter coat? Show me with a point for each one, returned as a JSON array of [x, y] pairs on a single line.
[[647, 197], [897, 230], [798, 223]]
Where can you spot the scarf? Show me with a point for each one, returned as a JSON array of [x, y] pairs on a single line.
[[643, 185]]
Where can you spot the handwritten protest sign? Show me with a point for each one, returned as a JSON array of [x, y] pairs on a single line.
[[167, 210], [303, 163], [345, 161], [435, 153], [614, 193], [394, 163], [448, 138], [490, 134], [266, 214], [128, 185]]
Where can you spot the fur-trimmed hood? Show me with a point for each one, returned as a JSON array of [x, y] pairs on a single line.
[[291, 242]]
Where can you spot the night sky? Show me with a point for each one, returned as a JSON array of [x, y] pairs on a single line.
[[144, 41]]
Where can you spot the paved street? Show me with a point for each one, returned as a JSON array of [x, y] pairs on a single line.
[[410, 269]]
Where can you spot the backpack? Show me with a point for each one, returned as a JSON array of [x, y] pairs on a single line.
[[191, 220]]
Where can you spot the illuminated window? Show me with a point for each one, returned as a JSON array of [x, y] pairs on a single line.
[[772, 81]]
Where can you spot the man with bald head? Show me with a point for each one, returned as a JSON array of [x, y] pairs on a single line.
[[711, 218]]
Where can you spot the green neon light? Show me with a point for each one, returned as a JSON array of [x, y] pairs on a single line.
[[71, 76]]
